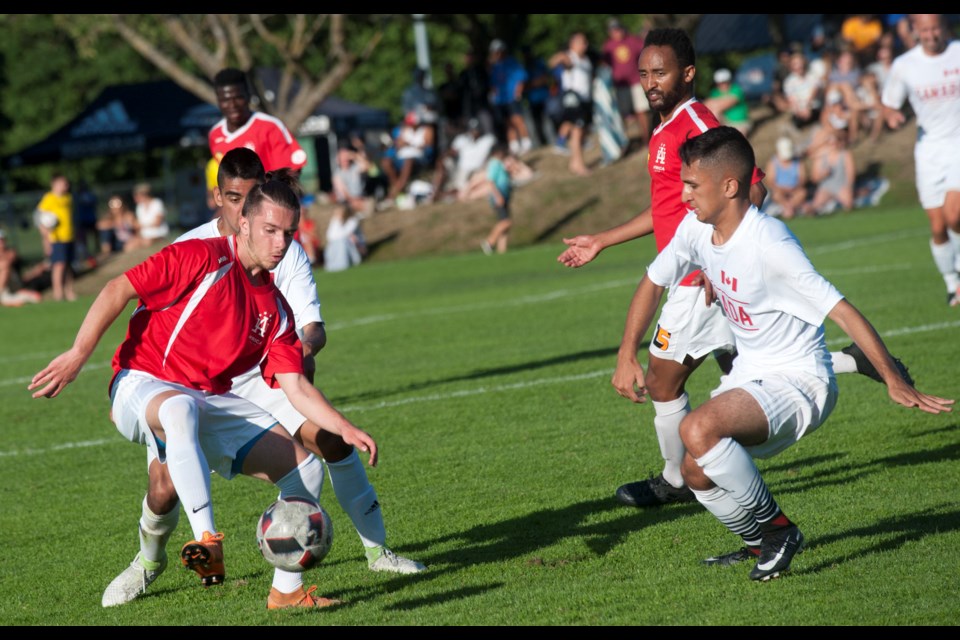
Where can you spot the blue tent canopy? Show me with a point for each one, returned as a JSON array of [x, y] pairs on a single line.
[[124, 119]]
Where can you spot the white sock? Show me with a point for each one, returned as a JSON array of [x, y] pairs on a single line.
[[514, 146], [944, 257], [731, 468], [287, 581], [843, 363], [155, 530], [359, 499], [185, 460], [306, 481], [728, 511], [955, 243], [667, 423]]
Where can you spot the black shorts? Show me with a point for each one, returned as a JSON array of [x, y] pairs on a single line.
[[503, 213], [61, 252], [576, 109]]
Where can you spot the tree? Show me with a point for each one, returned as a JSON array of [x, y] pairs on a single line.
[[314, 53]]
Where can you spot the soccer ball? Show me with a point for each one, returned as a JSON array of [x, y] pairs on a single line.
[[47, 220], [294, 534]]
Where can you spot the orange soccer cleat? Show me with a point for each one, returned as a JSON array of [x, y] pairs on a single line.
[[205, 557], [301, 598]]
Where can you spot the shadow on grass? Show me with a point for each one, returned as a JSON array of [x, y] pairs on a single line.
[[896, 531], [518, 538], [844, 473], [479, 374], [444, 596]]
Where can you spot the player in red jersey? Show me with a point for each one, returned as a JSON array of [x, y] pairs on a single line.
[[241, 127], [209, 311], [688, 330]]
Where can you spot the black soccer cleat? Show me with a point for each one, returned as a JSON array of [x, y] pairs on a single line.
[[653, 492], [864, 366], [776, 552], [742, 554]]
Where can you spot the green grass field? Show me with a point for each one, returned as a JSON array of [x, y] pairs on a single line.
[[486, 384]]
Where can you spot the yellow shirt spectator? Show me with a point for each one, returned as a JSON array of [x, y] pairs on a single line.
[[61, 206]]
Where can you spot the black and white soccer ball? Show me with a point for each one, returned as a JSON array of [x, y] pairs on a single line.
[[294, 534]]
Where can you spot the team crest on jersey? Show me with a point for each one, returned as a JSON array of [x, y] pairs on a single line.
[[660, 161], [259, 331]]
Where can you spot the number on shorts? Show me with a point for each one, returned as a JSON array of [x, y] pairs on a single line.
[[661, 339]]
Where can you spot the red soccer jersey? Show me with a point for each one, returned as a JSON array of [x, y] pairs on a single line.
[[663, 162], [263, 134], [201, 322]]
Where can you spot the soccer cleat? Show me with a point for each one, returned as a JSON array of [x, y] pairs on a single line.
[[487, 248], [653, 492], [866, 368], [776, 552], [729, 559], [132, 581], [299, 599], [382, 559], [206, 558]]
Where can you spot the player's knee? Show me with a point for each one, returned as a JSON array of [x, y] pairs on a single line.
[[694, 431], [178, 416], [328, 446], [662, 388]]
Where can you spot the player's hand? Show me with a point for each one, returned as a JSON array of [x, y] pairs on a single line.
[[61, 371], [903, 394], [629, 382], [362, 441], [703, 281], [580, 250]]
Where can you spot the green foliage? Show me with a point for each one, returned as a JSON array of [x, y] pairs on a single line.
[[486, 384], [48, 81]]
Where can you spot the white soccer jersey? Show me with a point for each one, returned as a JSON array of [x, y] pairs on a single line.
[[293, 276], [932, 84], [772, 297]]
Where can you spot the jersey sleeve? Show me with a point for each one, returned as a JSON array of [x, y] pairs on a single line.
[[167, 275], [285, 353], [676, 260], [894, 88], [296, 283], [795, 286], [285, 149]]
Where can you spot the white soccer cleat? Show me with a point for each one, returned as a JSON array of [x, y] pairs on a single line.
[[132, 582], [382, 559]]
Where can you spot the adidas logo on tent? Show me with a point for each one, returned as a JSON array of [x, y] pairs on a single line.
[[112, 118]]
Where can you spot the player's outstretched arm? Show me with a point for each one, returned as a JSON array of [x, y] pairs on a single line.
[[583, 249], [309, 401], [628, 378], [65, 368], [862, 332]]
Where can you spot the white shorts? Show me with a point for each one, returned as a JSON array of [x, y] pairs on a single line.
[[688, 327], [228, 424], [795, 404], [251, 386], [640, 102], [937, 170]]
